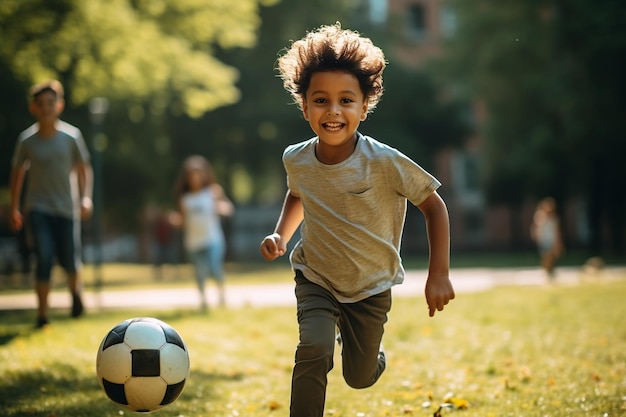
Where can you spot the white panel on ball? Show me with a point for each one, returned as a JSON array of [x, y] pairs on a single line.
[[145, 393], [144, 335], [119, 355], [174, 364]]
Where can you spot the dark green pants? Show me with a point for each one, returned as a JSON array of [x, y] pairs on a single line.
[[361, 325]]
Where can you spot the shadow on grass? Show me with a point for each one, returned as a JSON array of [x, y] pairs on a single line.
[[21, 322], [14, 324], [60, 390], [7, 337], [167, 315], [50, 391]]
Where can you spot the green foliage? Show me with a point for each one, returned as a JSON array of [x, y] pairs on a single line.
[[195, 77], [130, 49], [531, 351], [504, 54], [413, 117], [253, 133], [550, 76], [151, 59]]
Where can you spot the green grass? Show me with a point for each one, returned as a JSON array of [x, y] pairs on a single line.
[[527, 351]]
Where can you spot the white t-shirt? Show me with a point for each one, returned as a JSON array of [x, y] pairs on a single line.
[[354, 214], [202, 225]]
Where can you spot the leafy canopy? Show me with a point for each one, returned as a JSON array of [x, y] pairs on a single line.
[[131, 49]]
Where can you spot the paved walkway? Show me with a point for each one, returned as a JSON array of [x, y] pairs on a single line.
[[464, 280]]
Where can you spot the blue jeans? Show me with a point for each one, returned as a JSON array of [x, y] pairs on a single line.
[[208, 261], [54, 236]]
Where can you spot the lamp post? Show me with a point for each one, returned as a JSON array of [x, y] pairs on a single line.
[[98, 108]]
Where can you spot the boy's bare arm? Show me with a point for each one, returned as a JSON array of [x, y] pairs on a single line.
[[291, 216], [439, 290], [16, 182], [84, 173], [225, 207]]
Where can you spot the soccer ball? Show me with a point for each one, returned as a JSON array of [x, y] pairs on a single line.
[[142, 364]]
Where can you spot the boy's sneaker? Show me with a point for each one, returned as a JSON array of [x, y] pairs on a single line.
[[77, 305], [41, 322]]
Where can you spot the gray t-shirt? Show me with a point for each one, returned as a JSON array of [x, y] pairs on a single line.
[[354, 214], [52, 184]]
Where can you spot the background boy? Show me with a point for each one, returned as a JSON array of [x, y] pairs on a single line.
[[59, 182]]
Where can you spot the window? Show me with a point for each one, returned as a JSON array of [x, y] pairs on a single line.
[[416, 14], [466, 177], [378, 11]]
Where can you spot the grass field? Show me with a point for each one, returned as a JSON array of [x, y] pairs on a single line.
[[532, 351]]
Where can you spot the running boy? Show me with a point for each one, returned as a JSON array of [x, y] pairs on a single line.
[[349, 191], [58, 192]]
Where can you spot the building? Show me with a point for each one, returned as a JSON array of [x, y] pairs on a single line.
[[418, 28]]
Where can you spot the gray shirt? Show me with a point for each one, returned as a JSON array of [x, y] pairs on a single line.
[[52, 184], [354, 214]]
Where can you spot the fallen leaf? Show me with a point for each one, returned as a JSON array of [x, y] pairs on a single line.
[[459, 403], [274, 405], [525, 374]]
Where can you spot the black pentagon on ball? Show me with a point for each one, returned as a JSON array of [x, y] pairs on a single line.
[[146, 362], [172, 336], [116, 335], [172, 392], [115, 391]]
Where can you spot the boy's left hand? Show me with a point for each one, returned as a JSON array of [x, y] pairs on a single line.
[[86, 208], [438, 292]]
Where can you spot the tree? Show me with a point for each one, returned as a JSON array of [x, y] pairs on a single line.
[[130, 49], [245, 140], [150, 130], [550, 75], [149, 58]]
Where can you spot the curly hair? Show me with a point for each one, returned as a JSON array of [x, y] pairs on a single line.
[[331, 48]]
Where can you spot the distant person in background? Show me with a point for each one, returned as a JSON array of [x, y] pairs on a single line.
[[58, 193], [163, 234], [202, 202], [546, 232]]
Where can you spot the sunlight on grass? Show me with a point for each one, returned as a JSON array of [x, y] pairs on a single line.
[[532, 351]]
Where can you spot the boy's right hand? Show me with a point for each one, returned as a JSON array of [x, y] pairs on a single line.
[[438, 291], [272, 247], [16, 221]]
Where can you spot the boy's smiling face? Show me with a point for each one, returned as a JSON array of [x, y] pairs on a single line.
[[334, 106]]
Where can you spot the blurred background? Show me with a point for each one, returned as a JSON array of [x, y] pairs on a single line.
[[505, 102]]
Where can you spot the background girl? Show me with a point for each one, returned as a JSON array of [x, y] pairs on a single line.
[[202, 202]]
